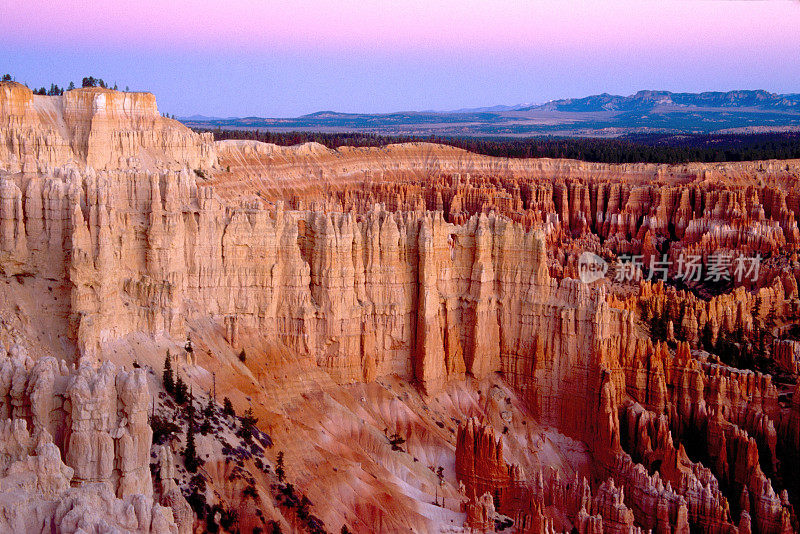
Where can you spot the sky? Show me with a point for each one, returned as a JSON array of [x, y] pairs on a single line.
[[288, 58]]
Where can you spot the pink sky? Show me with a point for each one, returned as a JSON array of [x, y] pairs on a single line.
[[387, 25], [285, 58]]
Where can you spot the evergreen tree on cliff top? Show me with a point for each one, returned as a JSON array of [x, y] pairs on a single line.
[[167, 377]]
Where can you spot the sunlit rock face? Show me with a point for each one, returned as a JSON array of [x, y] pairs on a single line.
[[76, 447], [385, 312], [95, 127]]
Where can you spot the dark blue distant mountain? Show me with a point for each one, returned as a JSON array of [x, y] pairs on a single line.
[[648, 100], [603, 115]]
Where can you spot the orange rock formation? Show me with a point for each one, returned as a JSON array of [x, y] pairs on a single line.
[[344, 292]]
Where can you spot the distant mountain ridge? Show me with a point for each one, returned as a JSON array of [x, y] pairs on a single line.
[[647, 100], [602, 115]]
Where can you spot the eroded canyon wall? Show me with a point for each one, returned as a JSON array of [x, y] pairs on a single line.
[[368, 295], [75, 448], [93, 126], [424, 262]]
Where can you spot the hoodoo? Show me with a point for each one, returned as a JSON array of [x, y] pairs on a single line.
[[231, 334]]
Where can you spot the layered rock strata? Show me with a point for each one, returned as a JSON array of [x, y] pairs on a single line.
[[96, 127], [418, 261]]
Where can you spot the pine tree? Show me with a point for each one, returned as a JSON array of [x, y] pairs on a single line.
[[248, 419], [279, 467], [181, 390], [227, 407], [303, 509], [208, 415], [168, 378], [395, 440], [248, 424], [208, 411], [190, 407], [71, 86], [190, 458]]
